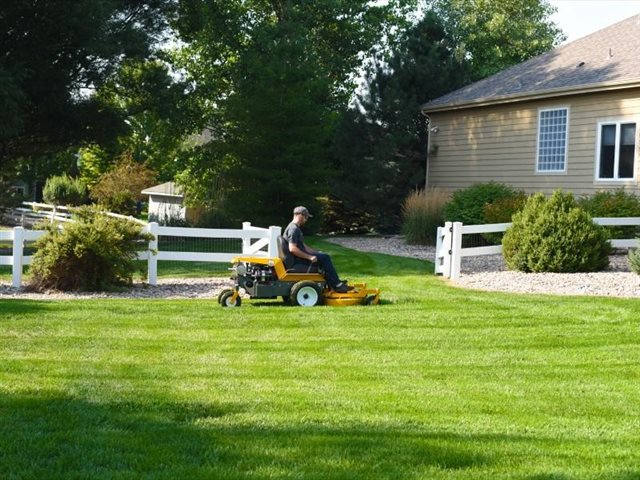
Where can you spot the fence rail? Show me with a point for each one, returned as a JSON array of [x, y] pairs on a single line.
[[449, 250], [256, 241]]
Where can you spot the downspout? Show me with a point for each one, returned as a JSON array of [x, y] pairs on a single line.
[[430, 130], [428, 123]]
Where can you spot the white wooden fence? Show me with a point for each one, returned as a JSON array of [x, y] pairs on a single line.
[[449, 251], [254, 242]]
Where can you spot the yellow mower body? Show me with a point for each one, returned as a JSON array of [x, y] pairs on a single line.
[[261, 277]]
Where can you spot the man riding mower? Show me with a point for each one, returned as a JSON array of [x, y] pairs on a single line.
[[300, 274], [269, 278]]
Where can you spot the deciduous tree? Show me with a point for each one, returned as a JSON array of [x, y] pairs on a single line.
[[493, 35], [271, 77], [53, 55]]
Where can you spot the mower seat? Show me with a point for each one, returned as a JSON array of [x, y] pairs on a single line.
[[291, 264]]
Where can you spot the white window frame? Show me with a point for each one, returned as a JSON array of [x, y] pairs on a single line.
[[566, 141], [617, 122]]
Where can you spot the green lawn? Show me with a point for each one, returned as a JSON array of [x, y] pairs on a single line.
[[438, 382]]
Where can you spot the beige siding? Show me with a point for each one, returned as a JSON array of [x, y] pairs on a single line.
[[499, 143]]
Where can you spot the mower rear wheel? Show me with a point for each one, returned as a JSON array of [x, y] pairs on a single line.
[[226, 299], [306, 294]]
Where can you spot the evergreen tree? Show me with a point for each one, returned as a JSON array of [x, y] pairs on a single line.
[[379, 148]]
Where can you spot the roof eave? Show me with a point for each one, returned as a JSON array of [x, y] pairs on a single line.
[[540, 94], [163, 194]]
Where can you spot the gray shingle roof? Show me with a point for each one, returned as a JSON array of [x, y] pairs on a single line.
[[608, 58], [169, 189]]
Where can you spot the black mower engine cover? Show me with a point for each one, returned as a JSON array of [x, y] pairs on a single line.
[[260, 281]]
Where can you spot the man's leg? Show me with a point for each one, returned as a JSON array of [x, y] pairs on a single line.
[[324, 260]]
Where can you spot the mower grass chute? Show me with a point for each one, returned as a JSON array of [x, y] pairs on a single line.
[[268, 278]]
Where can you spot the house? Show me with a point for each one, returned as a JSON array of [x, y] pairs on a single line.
[[566, 119], [166, 204]]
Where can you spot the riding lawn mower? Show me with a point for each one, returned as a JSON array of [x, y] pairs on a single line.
[[301, 285]]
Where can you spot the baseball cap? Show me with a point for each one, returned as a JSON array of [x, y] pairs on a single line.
[[302, 211]]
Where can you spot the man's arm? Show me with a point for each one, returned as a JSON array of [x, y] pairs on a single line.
[[310, 250], [293, 248]]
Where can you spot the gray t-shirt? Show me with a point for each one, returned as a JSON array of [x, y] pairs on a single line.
[[293, 234]]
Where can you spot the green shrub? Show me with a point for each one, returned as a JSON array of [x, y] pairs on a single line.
[[614, 204], [96, 252], [555, 235], [467, 205], [64, 190], [422, 215], [120, 188], [335, 217], [502, 211], [634, 260]]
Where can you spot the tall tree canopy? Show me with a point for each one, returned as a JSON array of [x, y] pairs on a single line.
[[271, 77], [54, 53], [493, 35], [270, 82]]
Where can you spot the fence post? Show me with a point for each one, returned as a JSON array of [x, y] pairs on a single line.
[[274, 233], [16, 261], [445, 247], [246, 242], [456, 250], [152, 257], [438, 264]]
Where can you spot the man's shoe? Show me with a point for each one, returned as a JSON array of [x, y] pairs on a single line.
[[349, 287], [341, 288]]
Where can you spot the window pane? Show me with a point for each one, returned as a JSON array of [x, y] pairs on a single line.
[[608, 135], [607, 153], [625, 167], [628, 134], [552, 140]]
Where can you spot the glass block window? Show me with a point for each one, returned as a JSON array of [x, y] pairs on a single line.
[[552, 140], [616, 151]]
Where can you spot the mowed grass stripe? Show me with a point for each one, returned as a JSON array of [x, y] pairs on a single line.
[[438, 382]]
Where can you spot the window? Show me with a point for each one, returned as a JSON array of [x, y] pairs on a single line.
[[616, 150], [552, 140]]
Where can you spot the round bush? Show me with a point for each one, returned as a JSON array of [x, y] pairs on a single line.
[[64, 190], [93, 253], [467, 205], [555, 235]]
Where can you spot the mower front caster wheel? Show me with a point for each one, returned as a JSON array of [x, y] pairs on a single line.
[[226, 299], [306, 294]]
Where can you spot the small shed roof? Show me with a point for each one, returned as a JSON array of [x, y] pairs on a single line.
[[605, 60], [167, 189]]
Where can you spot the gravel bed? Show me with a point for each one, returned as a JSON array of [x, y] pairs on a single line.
[[489, 272], [168, 288]]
